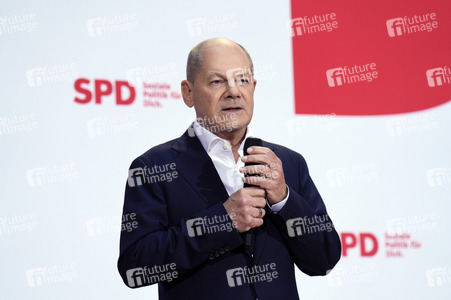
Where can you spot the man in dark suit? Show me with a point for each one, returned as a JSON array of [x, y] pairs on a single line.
[[186, 211]]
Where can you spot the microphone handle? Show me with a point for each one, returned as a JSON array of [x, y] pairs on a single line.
[[249, 236]]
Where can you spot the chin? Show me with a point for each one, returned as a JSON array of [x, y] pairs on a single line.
[[239, 125]]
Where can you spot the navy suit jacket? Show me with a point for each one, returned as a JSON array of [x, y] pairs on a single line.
[[165, 246]]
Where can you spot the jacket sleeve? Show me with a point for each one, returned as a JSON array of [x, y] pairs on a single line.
[[153, 242], [306, 227]]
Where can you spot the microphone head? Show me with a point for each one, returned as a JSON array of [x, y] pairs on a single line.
[[251, 141]]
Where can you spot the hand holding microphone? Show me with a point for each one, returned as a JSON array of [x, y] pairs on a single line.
[[247, 204], [266, 184], [267, 172]]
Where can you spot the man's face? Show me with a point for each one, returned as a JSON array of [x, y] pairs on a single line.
[[223, 90]]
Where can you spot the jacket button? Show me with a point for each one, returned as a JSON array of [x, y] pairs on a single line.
[[211, 256], [217, 253], [226, 248], [222, 250]]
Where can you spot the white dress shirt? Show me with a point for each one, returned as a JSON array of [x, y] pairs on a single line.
[[220, 152]]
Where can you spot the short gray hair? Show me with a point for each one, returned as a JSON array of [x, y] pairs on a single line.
[[194, 63]]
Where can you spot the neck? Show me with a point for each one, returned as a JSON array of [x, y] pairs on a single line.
[[235, 138]]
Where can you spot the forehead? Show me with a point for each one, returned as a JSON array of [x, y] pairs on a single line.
[[223, 58]]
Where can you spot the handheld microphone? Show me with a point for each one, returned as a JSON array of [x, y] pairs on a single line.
[[249, 236]]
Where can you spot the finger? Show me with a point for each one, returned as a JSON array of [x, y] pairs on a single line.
[[259, 150], [253, 180], [255, 212], [255, 169], [254, 191], [258, 202], [263, 213], [256, 222], [256, 150], [258, 212], [271, 186], [256, 158], [260, 181], [271, 160], [267, 169]]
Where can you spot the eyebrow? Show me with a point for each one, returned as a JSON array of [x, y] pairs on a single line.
[[215, 73], [222, 75]]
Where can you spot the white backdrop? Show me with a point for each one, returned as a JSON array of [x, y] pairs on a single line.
[[64, 164]]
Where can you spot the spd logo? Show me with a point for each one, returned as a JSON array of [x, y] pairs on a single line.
[[98, 89]]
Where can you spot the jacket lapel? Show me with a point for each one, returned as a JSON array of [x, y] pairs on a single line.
[[196, 167]]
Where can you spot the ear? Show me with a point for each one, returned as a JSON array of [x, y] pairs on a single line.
[[187, 91]]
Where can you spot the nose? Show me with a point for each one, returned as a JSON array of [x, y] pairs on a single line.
[[232, 90]]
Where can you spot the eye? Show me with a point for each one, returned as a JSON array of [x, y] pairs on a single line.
[[243, 81], [216, 82]]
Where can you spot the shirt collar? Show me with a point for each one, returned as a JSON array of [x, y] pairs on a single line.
[[209, 139]]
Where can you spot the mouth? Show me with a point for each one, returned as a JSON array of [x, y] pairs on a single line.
[[232, 109]]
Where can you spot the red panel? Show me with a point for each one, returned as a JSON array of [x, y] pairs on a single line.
[[368, 35]]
